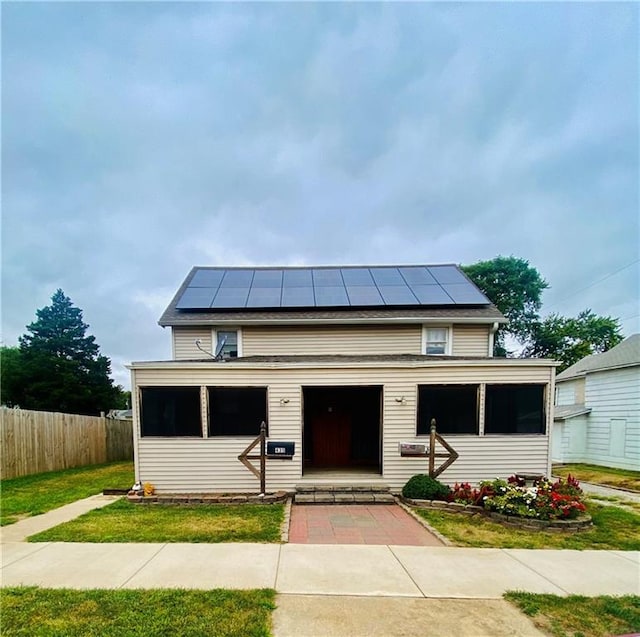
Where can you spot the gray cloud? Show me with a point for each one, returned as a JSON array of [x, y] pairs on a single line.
[[141, 139]]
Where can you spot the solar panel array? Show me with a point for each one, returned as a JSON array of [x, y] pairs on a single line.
[[384, 286]]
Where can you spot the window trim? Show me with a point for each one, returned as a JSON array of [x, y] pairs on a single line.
[[222, 328], [425, 340]]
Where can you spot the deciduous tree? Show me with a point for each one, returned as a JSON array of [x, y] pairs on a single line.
[[515, 288]]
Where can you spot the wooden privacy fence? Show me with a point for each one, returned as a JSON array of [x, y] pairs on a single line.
[[37, 441]]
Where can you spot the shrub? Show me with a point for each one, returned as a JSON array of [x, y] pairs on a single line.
[[423, 487]]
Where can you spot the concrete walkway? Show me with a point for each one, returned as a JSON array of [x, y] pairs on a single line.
[[383, 571], [597, 489]]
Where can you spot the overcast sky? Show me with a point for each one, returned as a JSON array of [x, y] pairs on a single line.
[[140, 139]]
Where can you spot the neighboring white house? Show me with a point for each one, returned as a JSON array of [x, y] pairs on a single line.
[[345, 363], [597, 415]]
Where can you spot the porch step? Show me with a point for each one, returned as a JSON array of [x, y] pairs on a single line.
[[343, 494]]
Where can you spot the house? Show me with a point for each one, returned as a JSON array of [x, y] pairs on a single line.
[[597, 415], [345, 363]]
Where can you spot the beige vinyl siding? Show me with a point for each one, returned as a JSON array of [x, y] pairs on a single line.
[[201, 465], [184, 338], [357, 339], [470, 340]]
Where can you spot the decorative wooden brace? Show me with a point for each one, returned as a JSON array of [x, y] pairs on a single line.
[[451, 456], [244, 457]]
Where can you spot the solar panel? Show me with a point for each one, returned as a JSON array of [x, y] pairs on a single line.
[[382, 286], [230, 298], [298, 297], [330, 296], [297, 279], [364, 295], [387, 276], [267, 279], [447, 274], [264, 297], [417, 275], [195, 298], [357, 276], [431, 295], [237, 279], [465, 293], [327, 277], [397, 295], [206, 279]]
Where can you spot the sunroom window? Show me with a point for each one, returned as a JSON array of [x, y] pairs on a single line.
[[237, 411], [514, 409], [170, 411], [454, 407]]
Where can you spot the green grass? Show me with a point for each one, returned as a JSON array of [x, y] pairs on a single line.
[[578, 616], [30, 495], [35, 612], [613, 529], [123, 521], [608, 476]]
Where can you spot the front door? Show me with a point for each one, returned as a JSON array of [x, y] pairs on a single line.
[[342, 427], [331, 438]]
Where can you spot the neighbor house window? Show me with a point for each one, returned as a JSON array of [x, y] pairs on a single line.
[[170, 411], [514, 409], [227, 343], [454, 407], [237, 411], [436, 340]]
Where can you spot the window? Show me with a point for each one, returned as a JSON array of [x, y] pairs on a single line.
[[455, 408], [170, 411], [227, 344], [514, 409], [237, 411], [436, 340]]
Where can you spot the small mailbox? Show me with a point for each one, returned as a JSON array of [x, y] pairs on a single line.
[[281, 449], [413, 449]]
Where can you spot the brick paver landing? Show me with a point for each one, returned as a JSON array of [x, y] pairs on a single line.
[[357, 524]]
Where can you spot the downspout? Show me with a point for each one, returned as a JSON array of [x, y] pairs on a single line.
[[492, 331]]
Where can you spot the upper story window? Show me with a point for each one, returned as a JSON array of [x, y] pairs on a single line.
[[437, 340], [227, 343]]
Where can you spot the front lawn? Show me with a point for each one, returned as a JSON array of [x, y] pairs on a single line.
[[146, 613], [30, 495], [576, 615], [123, 521], [614, 529], [608, 476]]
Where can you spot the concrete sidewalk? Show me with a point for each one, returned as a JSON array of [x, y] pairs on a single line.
[[382, 571]]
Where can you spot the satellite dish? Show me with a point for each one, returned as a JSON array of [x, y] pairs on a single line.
[[221, 344]]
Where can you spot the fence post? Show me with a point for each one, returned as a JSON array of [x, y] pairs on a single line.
[[263, 457], [432, 447]]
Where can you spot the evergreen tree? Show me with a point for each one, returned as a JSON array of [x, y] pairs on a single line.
[[62, 368]]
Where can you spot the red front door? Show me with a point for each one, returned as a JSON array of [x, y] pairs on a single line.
[[331, 439]]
